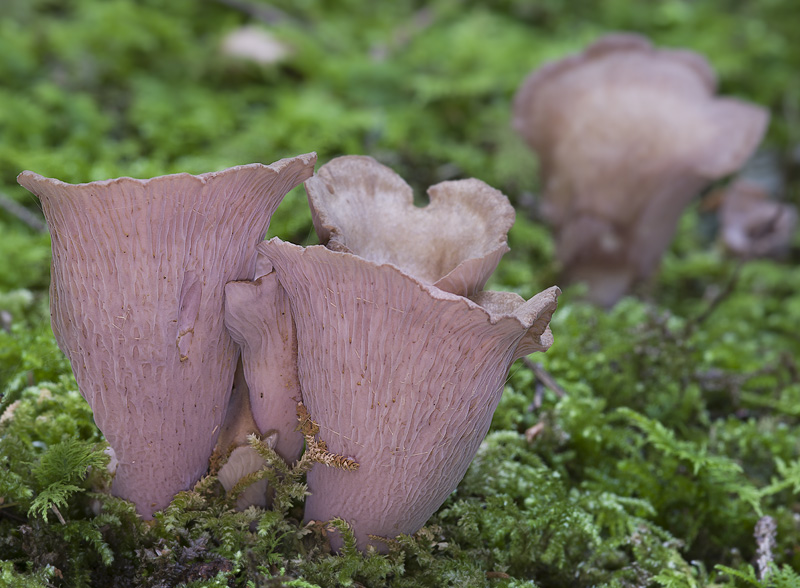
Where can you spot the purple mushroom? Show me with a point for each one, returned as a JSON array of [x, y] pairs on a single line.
[[626, 135], [753, 225], [401, 372], [259, 319], [138, 275]]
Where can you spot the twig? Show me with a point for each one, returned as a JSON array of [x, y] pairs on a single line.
[[16, 209], [532, 432], [544, 376], [692, 324], [765, 531], [57, 512], [9, 514]]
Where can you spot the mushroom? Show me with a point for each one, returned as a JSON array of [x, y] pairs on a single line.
[[258, 318], [233, 450], [626, 135], [455, 242], [138, 272], [401, 377], [753, 225], [255, 44], [239, 423], [401, 357]]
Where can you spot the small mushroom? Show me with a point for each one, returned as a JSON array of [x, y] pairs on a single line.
[[255, 44], [626, 135], [138, 272], [400, 377], [753, 225], [233, 446], [259, 319], [239, 423], [245, 460]]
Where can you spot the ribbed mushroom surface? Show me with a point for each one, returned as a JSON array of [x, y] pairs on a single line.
[[138, 272], [401, 376]]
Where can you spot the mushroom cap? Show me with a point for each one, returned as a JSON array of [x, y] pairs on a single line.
[[254, 43], [610, 122], [753, 225], [627, 134], [455, 242], [401, 376], [136, 296]]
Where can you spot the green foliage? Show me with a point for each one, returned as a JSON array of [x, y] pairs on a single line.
[[24, 258], [10, 578], [652, 397], [784, 577], [58, 471], [28, 353], [517, 515]]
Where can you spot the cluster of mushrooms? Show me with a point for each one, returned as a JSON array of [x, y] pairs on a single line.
[[384, 335], [627, 134], [187, 331]]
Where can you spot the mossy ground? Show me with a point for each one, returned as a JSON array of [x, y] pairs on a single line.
[[641, 450]]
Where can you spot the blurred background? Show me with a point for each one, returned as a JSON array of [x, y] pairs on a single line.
[[95, 89]]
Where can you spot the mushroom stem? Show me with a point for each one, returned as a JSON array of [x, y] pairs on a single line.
[[259, 319]]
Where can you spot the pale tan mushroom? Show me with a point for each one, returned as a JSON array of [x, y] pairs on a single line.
[[138, 272], [255, 44], [233, 446], [245, 460], [455, 242], [239, 422], [626, 135]]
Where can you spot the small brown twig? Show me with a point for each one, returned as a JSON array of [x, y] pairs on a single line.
[[57, 512], [21, 213], [10, 514], [765, 531]]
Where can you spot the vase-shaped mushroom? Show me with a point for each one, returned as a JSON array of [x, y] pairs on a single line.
[[626, 135], [401, 358], [359, 205], [401, 377], [138, 275]]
